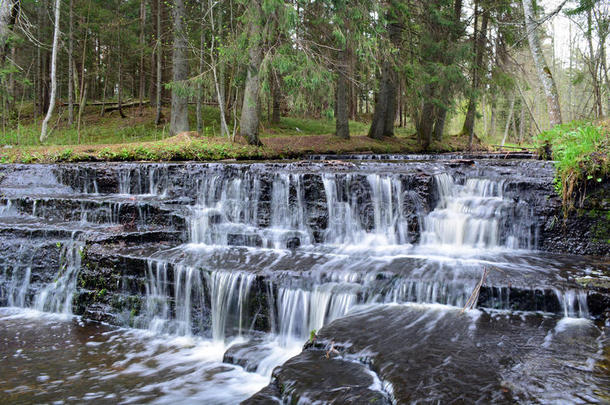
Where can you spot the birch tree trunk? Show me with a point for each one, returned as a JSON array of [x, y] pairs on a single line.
[[218, 76], [71, 67], [45, 122], [179, 121], [544, 73], [142, 76], [200, 123]]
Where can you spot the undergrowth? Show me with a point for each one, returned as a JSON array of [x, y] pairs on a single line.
[[581, 151]]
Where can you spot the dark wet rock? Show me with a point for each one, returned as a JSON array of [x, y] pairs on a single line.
[[244, 240], [312, 378], [530, 182], [439, 354], [293, 243], [248, 355]]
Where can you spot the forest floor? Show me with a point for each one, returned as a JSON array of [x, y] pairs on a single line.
[[136, 138]]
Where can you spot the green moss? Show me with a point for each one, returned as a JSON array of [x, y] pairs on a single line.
[[581, 151]]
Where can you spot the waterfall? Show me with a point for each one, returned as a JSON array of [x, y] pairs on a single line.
[[271, 210], [20, 274], [7, 209], [172, 294], [125, 182], [57, 295], [302, 311], [573, 303], [369, 216], [229, 302], [228, 212], [473, 215]]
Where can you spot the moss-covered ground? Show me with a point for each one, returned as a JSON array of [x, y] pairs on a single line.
[[136, 138]]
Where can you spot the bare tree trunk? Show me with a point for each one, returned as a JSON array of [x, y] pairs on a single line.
[[492, 120], [426, 120], [219, 66], [6, 7], [179, 121], [509, 118], [39, 64], [522, 124], [45, 122], [400, 105], [485, 115], [71, 67], [159, 62], [103, 111], [342, 108], [82, 92], [276, 95], [439, 123], [250, 118], [83, 102], [544, 73], [603, 30], [385, 107], [142, 75], [593, 65]]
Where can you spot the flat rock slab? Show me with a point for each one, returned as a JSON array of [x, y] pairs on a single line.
[[434, 353], [311, 378]]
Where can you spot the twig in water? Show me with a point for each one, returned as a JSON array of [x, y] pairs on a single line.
[[332, 350], [474, 297]]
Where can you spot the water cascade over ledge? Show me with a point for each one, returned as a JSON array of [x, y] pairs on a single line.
[[254, 259]]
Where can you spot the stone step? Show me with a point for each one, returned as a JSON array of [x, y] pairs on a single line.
[[96, 210], [128, 274]]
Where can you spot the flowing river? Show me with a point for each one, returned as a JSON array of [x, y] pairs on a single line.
[[408, 280]]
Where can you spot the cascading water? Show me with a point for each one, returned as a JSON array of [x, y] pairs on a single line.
[[378, 221], [57, 296], [16, 289], [574, 303], [283, 252], [301, 311], [473, 215], [172, 295], [229, 294]]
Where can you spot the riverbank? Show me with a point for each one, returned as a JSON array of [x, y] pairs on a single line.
[[136, 138], [191, 147]]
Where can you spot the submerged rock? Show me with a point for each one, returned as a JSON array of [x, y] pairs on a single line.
[[311, 378], [425, 353]]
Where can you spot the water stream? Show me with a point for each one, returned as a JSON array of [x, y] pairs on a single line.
[[256, 259]]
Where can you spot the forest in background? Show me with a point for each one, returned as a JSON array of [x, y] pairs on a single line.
[[426, 69]]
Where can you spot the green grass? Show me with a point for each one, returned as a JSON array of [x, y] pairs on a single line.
[[581, 151], [290, 126], [111, 129], [135, 137]]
